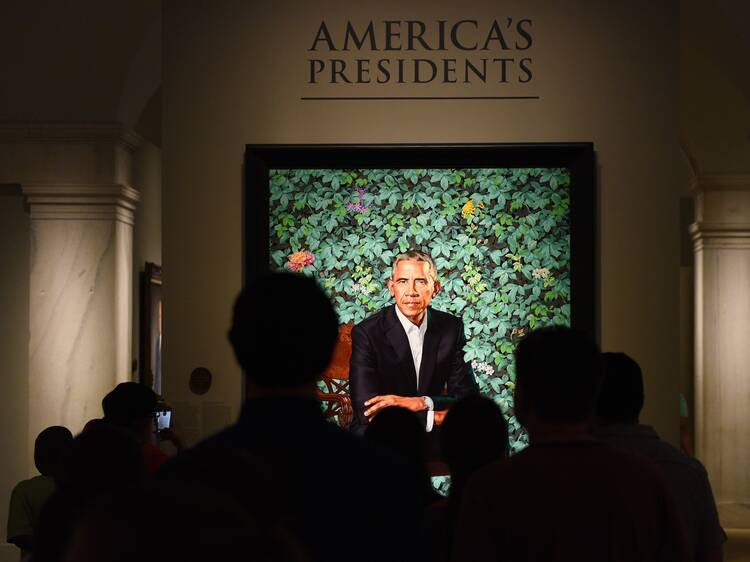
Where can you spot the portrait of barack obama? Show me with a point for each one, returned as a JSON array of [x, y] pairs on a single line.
[[409, 354]]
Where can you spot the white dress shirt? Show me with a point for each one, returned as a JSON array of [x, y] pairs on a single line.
[[415, 335]]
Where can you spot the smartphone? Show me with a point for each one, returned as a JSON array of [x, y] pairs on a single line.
[[163, 419]]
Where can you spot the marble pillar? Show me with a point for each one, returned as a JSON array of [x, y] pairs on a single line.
[[80, 306], [76, 181], [721, 235]]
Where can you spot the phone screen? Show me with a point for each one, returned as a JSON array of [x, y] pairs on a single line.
[[164, 419]]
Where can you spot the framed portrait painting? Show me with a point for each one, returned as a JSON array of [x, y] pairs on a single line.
[[511, 229]]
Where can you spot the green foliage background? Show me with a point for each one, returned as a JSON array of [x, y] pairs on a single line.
[[500, 239]]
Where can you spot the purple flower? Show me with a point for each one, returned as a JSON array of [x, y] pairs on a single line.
[[362, 192], [356, 208]]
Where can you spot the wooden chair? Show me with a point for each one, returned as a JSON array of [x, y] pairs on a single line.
[[333, 390]]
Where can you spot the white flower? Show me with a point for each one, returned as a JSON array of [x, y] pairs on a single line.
[[540, 273], [359, 288], [484, 368]]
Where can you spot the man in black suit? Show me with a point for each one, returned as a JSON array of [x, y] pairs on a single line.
[[340, 496], [407, 354]]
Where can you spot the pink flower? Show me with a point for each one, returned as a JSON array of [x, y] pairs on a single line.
[[356, 208], [298, 260]]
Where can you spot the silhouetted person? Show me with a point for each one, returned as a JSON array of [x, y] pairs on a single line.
[[51, 447], [92, 424], [172, 524], [474, 434], [401, 431], [101, 460], [342, 497], [567, 496], [618, 409], [132, 406]]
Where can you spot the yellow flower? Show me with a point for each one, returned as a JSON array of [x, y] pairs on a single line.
[[469, 208]]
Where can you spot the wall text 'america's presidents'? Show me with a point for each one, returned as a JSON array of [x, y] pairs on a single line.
[[489, 47]]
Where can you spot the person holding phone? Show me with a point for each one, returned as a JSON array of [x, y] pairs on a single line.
[[134, 406]]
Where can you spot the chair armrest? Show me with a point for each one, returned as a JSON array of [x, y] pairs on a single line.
[[336, 405]]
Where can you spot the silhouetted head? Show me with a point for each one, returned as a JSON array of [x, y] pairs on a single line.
[[101, 459], [51, 449], [558, 371], [283, 330], [399, 430], [131, 405], [474, 433], [621, 394], [92, 424]]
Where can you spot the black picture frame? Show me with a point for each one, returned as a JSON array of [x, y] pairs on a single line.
[[150, 372], [578, 157]]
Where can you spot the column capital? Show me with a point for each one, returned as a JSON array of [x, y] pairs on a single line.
[[54, 153], [81, 202], [69, 133], [722, 212]]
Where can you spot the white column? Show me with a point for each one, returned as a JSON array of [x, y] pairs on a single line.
[[80, 306], [721, 236], [76, 180]]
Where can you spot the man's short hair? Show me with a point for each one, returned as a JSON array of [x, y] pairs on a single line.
[[129, 402], [559, 370], [399, 430], [621, 394], [415, 255], [283, 331], [51, 447], [102, 459], [474, 433]]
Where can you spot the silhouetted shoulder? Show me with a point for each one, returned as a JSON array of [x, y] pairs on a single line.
[[285, 463], [579, 499], [584, 458]]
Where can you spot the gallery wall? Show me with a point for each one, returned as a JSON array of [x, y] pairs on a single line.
[[147, 228], [234, 74], [14, 334], [715, 86]]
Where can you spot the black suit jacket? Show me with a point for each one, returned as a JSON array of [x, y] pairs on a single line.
[[381, 362]]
